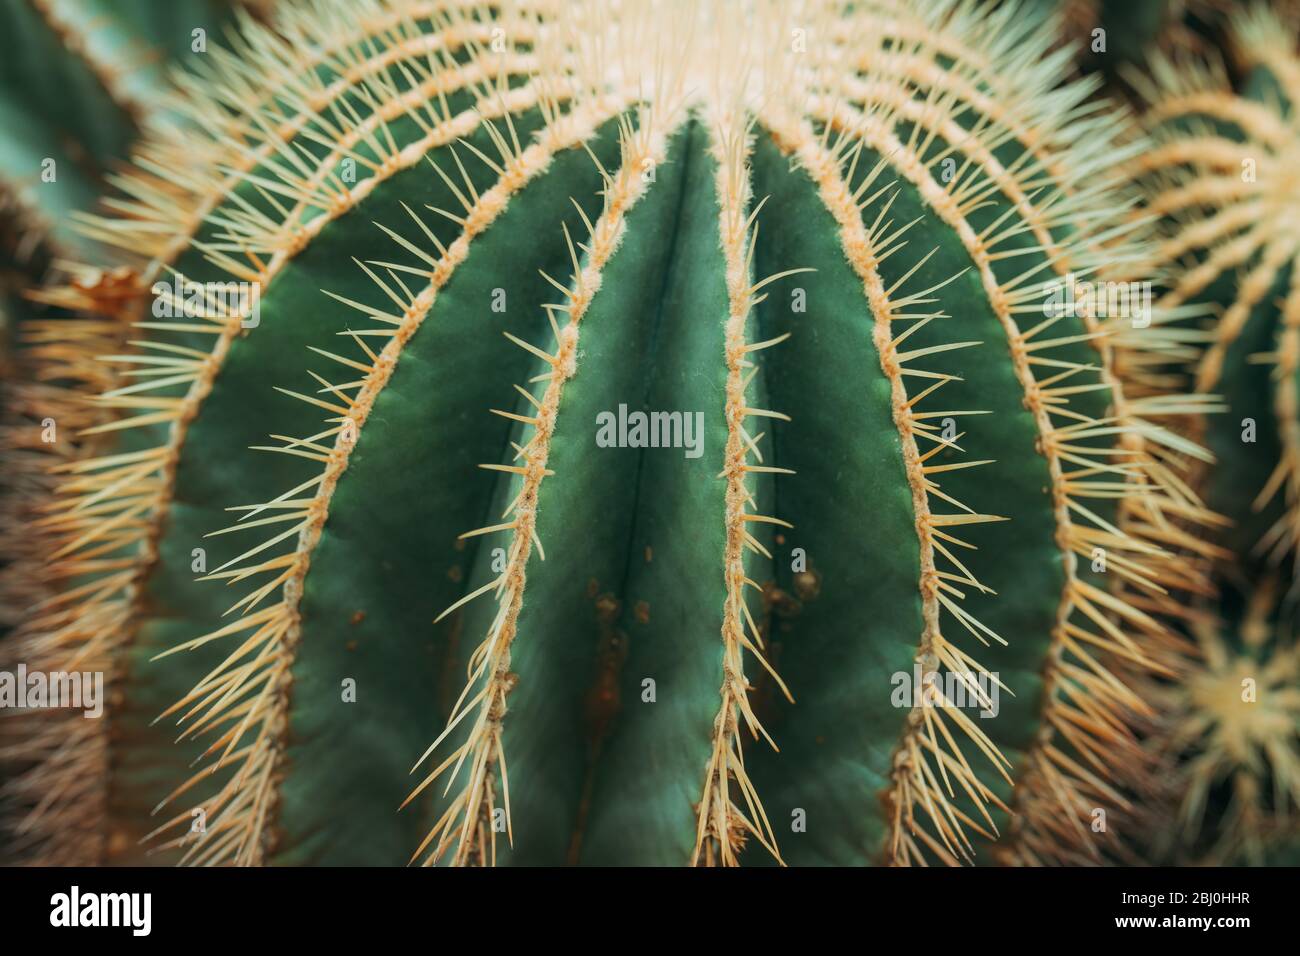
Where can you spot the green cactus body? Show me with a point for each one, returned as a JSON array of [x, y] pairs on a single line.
[[61, 137], [525, 239], [133, 44], [80, 79], [70, 121]]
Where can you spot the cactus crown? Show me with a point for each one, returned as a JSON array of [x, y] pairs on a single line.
[[825, 235], [1236, 731]]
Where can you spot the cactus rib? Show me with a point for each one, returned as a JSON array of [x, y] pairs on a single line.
[[916, 778], [722, 823], [1081, 619]]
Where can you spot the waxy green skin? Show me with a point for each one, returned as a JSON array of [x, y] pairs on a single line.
[[65, 132], [55, 109], [55, 105], [52, 109], [643, 525], [853, 509]]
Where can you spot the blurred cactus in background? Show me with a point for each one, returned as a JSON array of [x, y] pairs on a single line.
[[1221, 178]]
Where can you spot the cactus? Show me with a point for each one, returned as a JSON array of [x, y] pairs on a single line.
[[80, 79], [816, 237], [61, 136], [1107, 32], [1232, 734], [1241, 263], [1219, 176]]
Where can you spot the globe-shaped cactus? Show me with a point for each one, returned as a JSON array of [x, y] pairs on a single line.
[[642, 376], [1219, 182]]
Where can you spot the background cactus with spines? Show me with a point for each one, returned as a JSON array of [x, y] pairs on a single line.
[[80, 80], [100, 70], [1233, 734], [61, 137], [645, 208], [1218, 178]]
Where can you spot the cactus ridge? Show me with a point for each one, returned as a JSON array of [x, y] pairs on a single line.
[[158, 224], [270, 205], [61, 139], [1037, 822], [132, 45], [63, 135], [916, 779], [277, 626], [64, 25]]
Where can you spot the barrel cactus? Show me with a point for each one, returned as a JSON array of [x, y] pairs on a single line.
[[80, 80], [1220, 179], [63, 133], [625, 367]]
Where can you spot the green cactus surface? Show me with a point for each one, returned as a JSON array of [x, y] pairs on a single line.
[[561, 421], [101, 80]]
